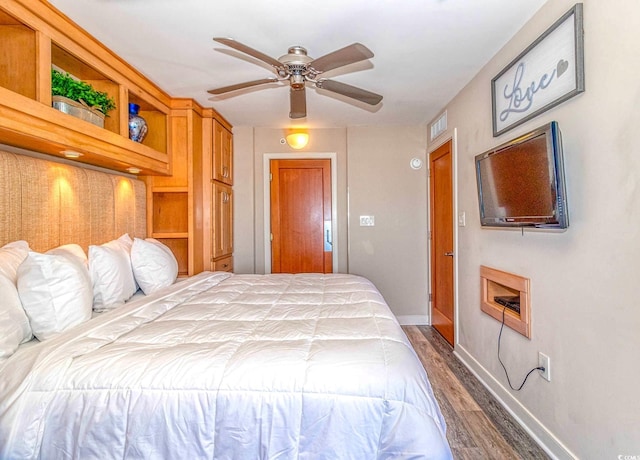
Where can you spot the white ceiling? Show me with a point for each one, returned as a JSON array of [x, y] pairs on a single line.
[[425, 50]]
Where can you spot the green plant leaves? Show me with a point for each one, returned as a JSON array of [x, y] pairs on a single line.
[[65, 85]]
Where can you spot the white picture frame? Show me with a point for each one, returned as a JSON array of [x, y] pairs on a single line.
[[547, 73]]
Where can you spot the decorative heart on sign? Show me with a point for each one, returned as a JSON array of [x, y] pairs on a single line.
[[562, 67]]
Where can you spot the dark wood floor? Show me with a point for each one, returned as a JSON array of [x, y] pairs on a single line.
[[477, 425]]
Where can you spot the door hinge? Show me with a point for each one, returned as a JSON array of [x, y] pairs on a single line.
[[270, 236], [270, 177], [429, 234], [430, 297]]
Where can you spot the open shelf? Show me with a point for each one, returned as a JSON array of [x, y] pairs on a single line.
[[18, 60], [156, 123], [170, 213], [66, 62], [31, 125], [497, 283]]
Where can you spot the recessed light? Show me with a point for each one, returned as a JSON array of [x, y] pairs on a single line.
[[71, 154], [133, 170]]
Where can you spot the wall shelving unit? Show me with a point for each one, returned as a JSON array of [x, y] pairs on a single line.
[[36, 38]]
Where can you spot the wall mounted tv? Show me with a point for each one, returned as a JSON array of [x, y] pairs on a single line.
[[521, 183]]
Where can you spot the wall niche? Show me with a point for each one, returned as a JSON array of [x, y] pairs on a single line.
[[507, 294]]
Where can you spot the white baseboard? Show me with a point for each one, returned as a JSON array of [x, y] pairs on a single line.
[[545, 438], [413, 320]]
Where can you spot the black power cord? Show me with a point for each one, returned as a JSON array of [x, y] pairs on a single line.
[[540, 368]]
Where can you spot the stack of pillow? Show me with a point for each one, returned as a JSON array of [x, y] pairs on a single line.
[[45, 294], [14, 324]]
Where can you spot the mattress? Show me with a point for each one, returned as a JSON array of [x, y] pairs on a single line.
[[231, 367]]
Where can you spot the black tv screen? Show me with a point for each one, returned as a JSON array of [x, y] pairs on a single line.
[[521, 183]]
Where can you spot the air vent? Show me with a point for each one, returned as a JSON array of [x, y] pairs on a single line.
[[439, 126]]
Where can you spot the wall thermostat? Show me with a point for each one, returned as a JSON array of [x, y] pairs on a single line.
[[415, 163]]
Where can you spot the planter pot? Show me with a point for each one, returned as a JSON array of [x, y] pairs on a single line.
[[78, 110]]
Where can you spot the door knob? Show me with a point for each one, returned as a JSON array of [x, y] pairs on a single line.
[[448, 254]]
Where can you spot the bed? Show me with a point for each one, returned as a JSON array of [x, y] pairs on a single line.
[[214, 366], [227, 366]]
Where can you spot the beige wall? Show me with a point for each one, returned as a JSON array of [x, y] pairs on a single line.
[[585, 310], [373, 178], [243, 201], [393, 253]]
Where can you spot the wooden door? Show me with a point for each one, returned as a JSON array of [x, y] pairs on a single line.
[[441, 205], [301, 216]]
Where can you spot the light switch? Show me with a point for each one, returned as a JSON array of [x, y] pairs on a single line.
[[462, 219], [367, 221]]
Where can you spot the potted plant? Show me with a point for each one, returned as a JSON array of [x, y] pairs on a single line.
[[79, 99]]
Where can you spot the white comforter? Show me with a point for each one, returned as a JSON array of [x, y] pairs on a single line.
[[230, 367]]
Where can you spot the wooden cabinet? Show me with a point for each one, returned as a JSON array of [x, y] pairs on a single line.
[[175, 204], [222, 154], [35, 38], [190, 211], [221, 197], [222, 212]]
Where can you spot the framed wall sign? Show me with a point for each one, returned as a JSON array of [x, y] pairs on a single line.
[[548, 72]]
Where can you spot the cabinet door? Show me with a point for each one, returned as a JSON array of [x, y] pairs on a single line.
[[222, 154], [227, 223], [222, 216]]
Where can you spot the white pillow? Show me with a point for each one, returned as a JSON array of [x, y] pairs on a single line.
[[125, 241], [111, 274], [14, 324], [72, 250], [11, 256], [154, 265], [55, 291]]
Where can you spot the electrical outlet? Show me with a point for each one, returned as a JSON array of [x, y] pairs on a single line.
[[545, 361]]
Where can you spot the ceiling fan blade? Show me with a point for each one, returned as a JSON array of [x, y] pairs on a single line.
[[298, 99], [350, 91], [248, 84], [231, 43], [344, 56]]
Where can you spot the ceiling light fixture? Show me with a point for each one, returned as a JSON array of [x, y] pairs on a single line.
[[133, 170], [71, 154], [297, 140]]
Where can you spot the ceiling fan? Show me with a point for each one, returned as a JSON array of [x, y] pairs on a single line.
[[298, 69]]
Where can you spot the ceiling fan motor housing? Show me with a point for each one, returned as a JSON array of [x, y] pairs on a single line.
[[296, 66], [297, 49]]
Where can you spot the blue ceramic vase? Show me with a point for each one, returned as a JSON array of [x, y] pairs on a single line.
[[137, 124]]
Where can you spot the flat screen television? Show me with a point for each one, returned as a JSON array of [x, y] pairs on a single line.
[[521, 183]]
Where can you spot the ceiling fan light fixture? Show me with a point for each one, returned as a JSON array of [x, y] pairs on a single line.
[[298, 140], [297, 81]]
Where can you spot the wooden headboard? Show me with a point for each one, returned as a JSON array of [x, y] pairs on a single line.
[[49, 204]]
